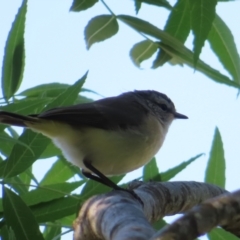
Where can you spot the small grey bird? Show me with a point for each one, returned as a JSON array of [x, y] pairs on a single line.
[[107, 137]]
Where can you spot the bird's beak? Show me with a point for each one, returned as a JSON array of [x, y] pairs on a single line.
[[179, 115]]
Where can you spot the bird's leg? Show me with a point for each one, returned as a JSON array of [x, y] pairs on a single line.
[[91, 176], [101, 178]]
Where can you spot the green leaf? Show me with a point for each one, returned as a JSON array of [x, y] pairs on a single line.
[[21, 158], [45, 90], [68, 220], [175, 48], [51, 151], [178, 25], [56, 209], [82, 99], [6, 141], [202, 16], [142, 51], [7, 233], [46, 193], [100, 28], [93, 188], [159, 3], [17, 185], [221, 234], [172, 172], [149, 29], [215, 172], [60, 171], [222, 43], [5, 146], [69, 95], [14, 55], [12, 132], [20, 217], [151, 172], [80, 5], [50, 232], [161, 58], [137, 4], [26, 177], [187, 58], [26, 106], [159, 224]]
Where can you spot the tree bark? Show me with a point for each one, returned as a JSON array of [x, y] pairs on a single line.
[[221, 211], [119, 216]]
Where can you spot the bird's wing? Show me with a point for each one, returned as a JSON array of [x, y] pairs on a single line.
[[109, 113]]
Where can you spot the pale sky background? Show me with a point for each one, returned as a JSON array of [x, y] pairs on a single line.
[[56, 52]]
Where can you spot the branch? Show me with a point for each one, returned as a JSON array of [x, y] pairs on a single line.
[[221, 211], [119, 216]]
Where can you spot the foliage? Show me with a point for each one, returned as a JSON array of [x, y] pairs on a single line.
[[51, 203]]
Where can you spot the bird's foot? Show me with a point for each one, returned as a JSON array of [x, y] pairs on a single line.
[[132, 193]]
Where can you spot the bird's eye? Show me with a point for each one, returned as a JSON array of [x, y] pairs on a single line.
[[164, 107]]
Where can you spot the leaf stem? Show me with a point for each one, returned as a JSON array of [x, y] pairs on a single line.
[[108, 8]]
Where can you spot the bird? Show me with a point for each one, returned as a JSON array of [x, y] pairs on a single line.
[[107, 137]]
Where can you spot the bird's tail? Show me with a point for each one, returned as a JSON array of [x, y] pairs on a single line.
[[16, 119]]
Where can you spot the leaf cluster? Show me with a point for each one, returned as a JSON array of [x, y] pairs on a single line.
[[54, 201], [198, 16]]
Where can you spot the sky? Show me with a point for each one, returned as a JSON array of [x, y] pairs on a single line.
[[56, 52]]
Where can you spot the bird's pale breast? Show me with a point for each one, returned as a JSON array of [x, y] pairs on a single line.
[[112, 152]]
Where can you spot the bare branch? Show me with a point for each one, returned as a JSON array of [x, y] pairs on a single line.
[[119, 216], [221, 211], [169, 198]]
